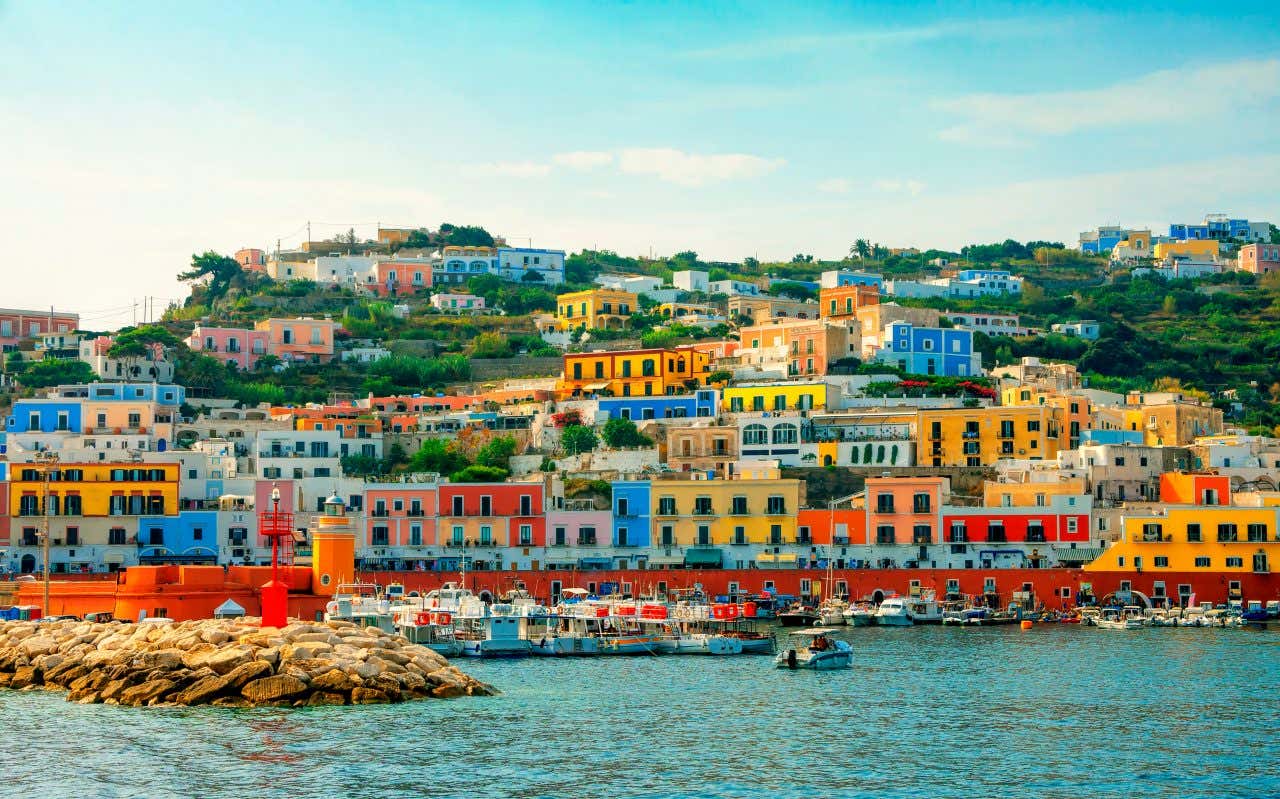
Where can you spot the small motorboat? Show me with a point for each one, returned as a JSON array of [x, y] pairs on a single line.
[[816, 650], [831, 612], [798, 615], [893, 612], [1118, 619]]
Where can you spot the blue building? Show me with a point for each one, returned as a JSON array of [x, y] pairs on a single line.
[[631, 519], [161, 394], [1217, 227], [522, 264], [930, 350], [705, 402], [189, 537], [1111, 437], [45, 416], [835, 278]]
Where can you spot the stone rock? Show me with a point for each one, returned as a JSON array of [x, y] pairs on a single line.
[[269, 654], [323, 698], [317, 637], [202, 691], [166, 659], [224, 660], [214, 637], [25, 676], [270, 689], [146, 692], [38, 645], [368, 696], [112, 691], [231, 701], [296, 652], [245, 673], [334, 680], [387, 684], [449, 691], [369, 669], [361, 641]]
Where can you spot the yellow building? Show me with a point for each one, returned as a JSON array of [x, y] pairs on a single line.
[[982, 436], [595, 309], [1203, 248], [1030, 495], [95, 489], [1077, 410], [1164, 419], [634, 373], [797, 395], [725, 512], [1190, 538]]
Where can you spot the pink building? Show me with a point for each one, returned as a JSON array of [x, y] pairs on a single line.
[[400, 277], [251, 259], [230, 344], [905, 510], [1260, 258], [457, 303], [16, 325], [401, 514], [303, 339]]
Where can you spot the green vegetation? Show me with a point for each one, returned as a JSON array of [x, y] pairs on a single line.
[[578, 438], [623, 433]]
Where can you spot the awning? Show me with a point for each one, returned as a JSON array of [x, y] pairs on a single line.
[[776, 558], [703, 556], [1078, 556], [595, 386], [595, 563], [663, 560]]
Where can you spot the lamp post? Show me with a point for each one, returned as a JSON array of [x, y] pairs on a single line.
[[275, 518], [46, 459]]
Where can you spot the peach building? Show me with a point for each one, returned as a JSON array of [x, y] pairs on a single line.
[[808, 346], [400, 277], [252, 259], [844, 301], [905, 510], [303, 339], [1260, 258]]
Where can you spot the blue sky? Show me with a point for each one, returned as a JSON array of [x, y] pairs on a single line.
[[141, 133]]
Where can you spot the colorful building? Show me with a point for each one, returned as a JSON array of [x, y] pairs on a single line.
[[807, 347], [460, 264], [595, 309], [1198, 527], [1259, 258], [634, 373], [699, 404], [1199, 249], [401, 516], [457, 303], [725, 513], [794, 395], [400, 277], [16, 325], [843, 301], [302, 339], [230, 344], [930, 350], [982, 436], [492, 515], [873, 319]]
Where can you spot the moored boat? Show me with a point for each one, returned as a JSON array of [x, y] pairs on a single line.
[[893, 612], [798, 615], [860, 614]]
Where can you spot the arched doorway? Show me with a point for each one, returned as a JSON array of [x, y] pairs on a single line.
[[28, 565], [877, 596]]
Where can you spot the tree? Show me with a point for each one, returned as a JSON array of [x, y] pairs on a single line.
[[53, 372], [719, 376], [1170, 305], [750, 264], [801, 258], [623, 433], [479, 474], [220, 270], [136, 342], [437, 455], [578, 438], [861, 249], [361, 465], [491, 345], [497, 453], [267, 362], [532, 276]]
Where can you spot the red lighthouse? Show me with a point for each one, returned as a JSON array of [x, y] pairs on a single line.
[[279, 528]]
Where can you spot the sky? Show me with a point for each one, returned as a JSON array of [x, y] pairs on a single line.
[[136, 134]]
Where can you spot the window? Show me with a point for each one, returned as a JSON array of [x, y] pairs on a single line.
[[884, 503], [920, 503], [1256, 532], [456, 537], [587, 536], [1193, 533], [995, 532], [755, 434], [884, 534], [1162, 562], [486, 535], [380, 536], [803, 536], [775, 534], [702, 506], [777, 506], [1035, 532], [526, 535], [922, 534], [415, 535], [1202, 562], [704, 535], [738, 507], [666, 506], [1235, 563], [1227, 532], [668, 535]]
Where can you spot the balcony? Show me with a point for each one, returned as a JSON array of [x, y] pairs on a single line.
[[415, 513], [379, 513], [968, 436], [1034, 537]]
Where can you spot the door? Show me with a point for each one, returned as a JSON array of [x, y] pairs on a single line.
[[1260, 562]]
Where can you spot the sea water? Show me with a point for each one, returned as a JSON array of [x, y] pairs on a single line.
[[1056, 711]]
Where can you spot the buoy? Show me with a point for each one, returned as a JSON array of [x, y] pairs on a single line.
[[1026, 624]]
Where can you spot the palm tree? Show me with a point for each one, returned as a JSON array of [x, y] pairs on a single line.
[[860, 249]]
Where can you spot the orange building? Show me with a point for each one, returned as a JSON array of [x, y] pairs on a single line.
[[303, 339], [905, 510], [844, 301]]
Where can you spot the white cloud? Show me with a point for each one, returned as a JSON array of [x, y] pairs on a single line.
[[898, 185], [583, 159], [835, 186], [694, 169], [512, 169], [1169, 96]]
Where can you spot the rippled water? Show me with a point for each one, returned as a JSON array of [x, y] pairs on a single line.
[[1053, 712]]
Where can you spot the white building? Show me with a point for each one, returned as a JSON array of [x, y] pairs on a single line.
[[345, 270], [1085, 328], [733, 288], [691, 280], [525, 264], [458, 303], [993, 324]]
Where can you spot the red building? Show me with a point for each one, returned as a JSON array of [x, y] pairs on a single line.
[[1023, 525], [492, 514], [837, 527]]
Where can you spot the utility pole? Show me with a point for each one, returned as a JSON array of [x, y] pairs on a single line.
[[308, 235], [47, 459]]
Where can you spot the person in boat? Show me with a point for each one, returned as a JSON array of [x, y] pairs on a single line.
[[819, 644]]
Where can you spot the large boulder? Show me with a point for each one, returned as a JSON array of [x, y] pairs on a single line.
[[334, 680], [270, 689], [146, 692], [246, 673], [368, 696], [202, 691], [167, 659], [24, 676], [225, 660], [38, 645]]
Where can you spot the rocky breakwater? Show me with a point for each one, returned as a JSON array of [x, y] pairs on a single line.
[[227, 663]]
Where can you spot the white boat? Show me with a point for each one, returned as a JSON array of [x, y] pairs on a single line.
[[814, 649], [831, 612], [553, 636], [924, 609], [893, 612], [359, 603], [432, 629], [860, 614], [1116, 619]]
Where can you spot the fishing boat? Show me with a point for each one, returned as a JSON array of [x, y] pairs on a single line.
[[893, 612], [798, 615], [831, 612], [553, 636], [1120, 619], [860, 614], [361, 604], [430, 628], [924, 609], [1255, 612], [814, 649], [753, 641]]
